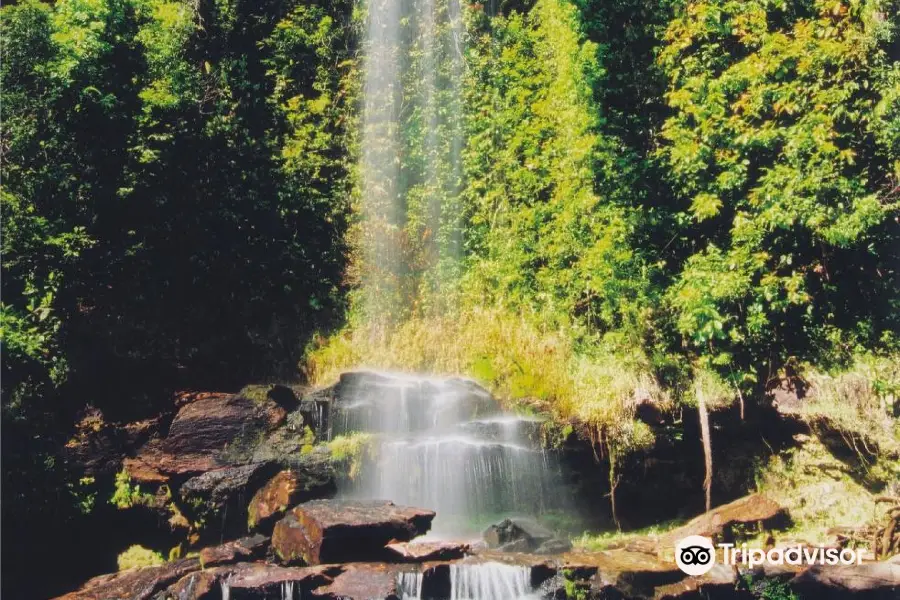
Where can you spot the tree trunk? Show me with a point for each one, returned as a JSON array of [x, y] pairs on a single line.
[[707, 447]]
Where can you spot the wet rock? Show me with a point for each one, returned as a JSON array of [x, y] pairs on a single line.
[[144, 583], [554, 546], [308, 480], [360, 398], [523, 535], [719, 582], [506, 428], [251, 581], [426, 551], [369, 581], [633, 574], [331, 531], [214, 431]]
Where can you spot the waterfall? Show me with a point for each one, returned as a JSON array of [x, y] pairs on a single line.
[[480, 581], [445, 444], [411, 147], [489, 581], [409, 585]]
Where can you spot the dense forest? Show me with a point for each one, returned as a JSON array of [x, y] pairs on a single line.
[[698, 198]]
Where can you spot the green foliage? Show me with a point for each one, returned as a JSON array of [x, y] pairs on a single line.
[[765, 588], [138, 557], [125, 495], [541, 233], [779, 156]]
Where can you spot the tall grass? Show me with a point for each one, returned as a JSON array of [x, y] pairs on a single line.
[[507, 353]]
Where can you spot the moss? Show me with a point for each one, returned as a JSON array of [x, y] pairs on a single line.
[[349, 451], [138, 556], [258, 393]]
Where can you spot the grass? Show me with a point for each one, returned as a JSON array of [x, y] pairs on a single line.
[[818, 490], [607, 540], [508, 354], [858, 405]]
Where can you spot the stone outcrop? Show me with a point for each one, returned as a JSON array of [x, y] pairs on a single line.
[[304, 481], [214, 431], [144, 583], [330, 531], [524, 535]]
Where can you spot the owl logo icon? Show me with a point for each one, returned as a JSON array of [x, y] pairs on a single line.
[[695, 555]]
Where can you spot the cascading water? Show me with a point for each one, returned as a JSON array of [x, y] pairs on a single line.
[[445, 444], [480, 581]]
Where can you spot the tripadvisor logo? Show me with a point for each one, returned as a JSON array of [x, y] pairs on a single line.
[[696, 555]]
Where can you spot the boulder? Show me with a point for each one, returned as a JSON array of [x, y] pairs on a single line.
[[97, 446], [216, 430], [305, 481], [360, 398], [144, 583], [331, 531], [523, 535]]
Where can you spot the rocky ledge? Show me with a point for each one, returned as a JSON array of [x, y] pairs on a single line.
[[333, 549]]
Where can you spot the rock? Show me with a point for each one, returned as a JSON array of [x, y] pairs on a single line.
[[554, 546], [213, 431], [306, 481], [870, 580], [523, 535], [360, 396], [143, 583], [719, 582], [97, 446], [632, 574], [217, 487], [646, 408], [331, 531], [369, 581], [252, 580], [427, 551]]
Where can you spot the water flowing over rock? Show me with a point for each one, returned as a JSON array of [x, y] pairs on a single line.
[[445, 445], [471, 581]]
